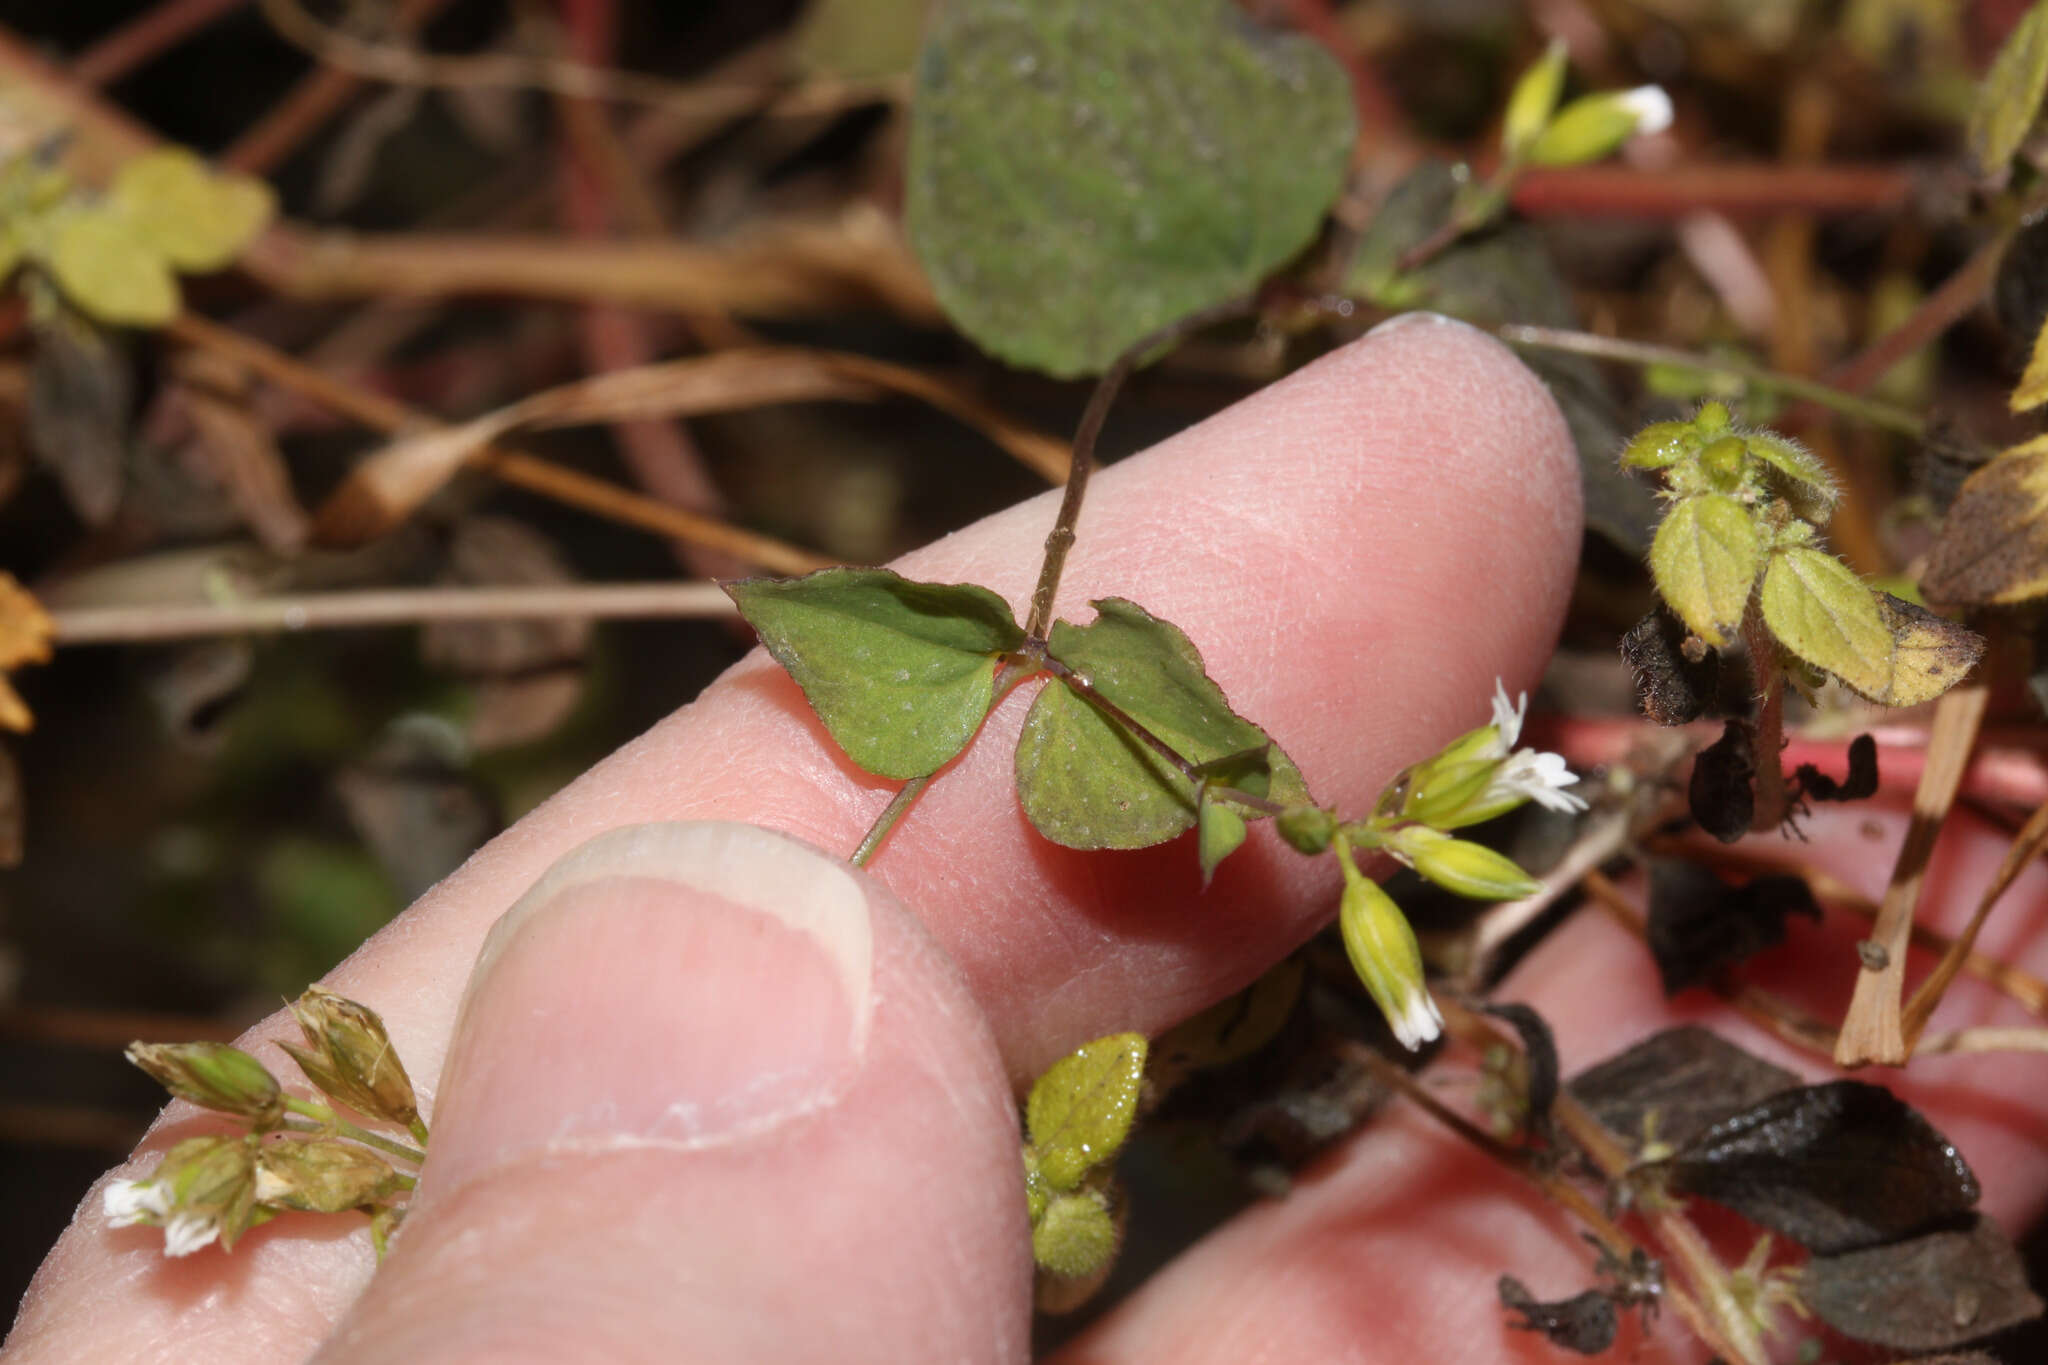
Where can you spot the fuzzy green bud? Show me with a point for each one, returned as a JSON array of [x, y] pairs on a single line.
[[1660, 444], [1462, 867], [1383, 952], [1533, 101], [349, 1056], [1307, 828], [323, 1175], [213, 1076], [1076, 1236], [1724, 462], [1595, 126]]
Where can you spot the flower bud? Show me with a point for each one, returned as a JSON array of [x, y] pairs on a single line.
[[214, 1076], [1462, 867], [202, 1190], [1533, 101], [1660, 444], [1383, 952], [1076, 1235], [1595, 126], [349, 1056], [323, 1175], [1307, 828], [1439, 791]]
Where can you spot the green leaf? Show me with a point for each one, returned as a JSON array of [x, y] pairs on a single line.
[[1076, 1236], [1219, 833], [1819, 609], [1533, 100], [900, 672], [1080, 1111], [1806, 483], [193, 218], [1086, 782], [1705, 561], [2010, 98], [1083, 172], [106, 272]]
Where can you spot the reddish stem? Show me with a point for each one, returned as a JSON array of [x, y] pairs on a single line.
[[1743, 189], [145, 38]]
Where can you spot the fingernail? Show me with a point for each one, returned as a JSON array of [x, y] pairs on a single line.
[[673, 985], [1415, 318]]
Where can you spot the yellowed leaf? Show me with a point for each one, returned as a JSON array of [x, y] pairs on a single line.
[[1930, 653], [193, 218], [2032, 391], [25, 628], [14, 713], [107, 272], [1993, 546]]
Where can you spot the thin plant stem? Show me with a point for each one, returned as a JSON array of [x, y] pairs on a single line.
[[1061, 538], [1887, 416], [328, 1121], [387, 607], [1772, 798]]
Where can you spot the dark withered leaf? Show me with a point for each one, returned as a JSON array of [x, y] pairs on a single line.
[[2020, 295], [1925, 1293], [1861, 782], [1722, 793], [79, 394], [1835, 1167], [13, 812], [1947, 457], [1584, 1323], [1690, 1078], [1539, 1054], [1699, 923], [415, 803], [1671, 689]]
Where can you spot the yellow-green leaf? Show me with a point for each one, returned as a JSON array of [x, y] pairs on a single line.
[[195, 219], [2010, 98], [1819, 609], [1533, 100], [1080, 1111], [1993, 546], [1705, 561], [1930, 653], [2032, 391], [106, 272]]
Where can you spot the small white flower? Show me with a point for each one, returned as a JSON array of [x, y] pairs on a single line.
[[1650, 105], [1539, 776], [1418, 1021], [128, 1202], [188, 1232], [1507, 715]]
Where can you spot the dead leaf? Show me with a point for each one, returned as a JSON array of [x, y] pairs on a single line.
[[391, 483], [238, 450], [1993, 546], [79, 394], [25, 628], [415, 803]]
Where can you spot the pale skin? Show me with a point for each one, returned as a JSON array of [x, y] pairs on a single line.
[[1359, 551]]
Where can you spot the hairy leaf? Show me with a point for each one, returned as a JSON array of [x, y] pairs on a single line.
[[1819, 609], [1705, 561], [1930, 654], [1835, 1167], [1993, 546], [900, 672], [1080, 1110], [1083, 172], [2010, 98], [1086, 782], [1925, 1293]]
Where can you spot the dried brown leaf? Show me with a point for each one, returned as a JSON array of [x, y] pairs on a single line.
[[239, 451], [78, 399], [1993, 546]]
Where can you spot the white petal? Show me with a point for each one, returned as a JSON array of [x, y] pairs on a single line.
[[188, 1232], [1418, 1022], [1650, 105], [128, 1202], [1507, 716]]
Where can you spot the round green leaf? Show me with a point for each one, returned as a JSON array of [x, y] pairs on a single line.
[[900, 672], [1819, 609], [1705, 561], [1076, 1236], [1085, 782], [2010, 98], [194, 219], [106, 272], [1080, 1111], [1083, 172]]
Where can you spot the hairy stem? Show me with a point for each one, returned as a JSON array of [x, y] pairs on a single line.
[[1061, 538], [1772, 798]]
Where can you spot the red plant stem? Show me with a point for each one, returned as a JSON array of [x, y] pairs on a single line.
[[1741, 189], [147, 37]]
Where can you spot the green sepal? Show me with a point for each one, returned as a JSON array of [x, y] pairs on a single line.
[[1219, 832], [900, 672], [1079, 1112]]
